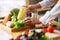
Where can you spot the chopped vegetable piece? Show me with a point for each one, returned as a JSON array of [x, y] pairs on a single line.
[[44, 37], [26, 32], [50, 29], [10, 24], [18, 36], [44, 30]]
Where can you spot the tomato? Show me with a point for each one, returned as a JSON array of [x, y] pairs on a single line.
[[50, 29], [26, 32], [18, 36], [44, 30]]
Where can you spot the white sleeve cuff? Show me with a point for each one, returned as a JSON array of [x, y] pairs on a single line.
[[44, 20], [46, 3], [43, 4]]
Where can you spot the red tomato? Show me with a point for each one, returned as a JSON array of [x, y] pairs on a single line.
[[18, 37], [44, 30], [50, 29], [26, 32]]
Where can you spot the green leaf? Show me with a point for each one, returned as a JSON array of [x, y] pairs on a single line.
[[44, 37]]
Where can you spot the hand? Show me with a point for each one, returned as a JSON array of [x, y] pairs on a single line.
[[30, 8], [32, 21]]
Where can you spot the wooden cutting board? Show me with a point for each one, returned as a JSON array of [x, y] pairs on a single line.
[[55, 35], [13, 31]]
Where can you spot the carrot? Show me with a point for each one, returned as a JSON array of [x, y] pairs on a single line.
[[7, 18], [1, 22]]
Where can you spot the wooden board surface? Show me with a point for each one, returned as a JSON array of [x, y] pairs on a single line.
[[13, 32]]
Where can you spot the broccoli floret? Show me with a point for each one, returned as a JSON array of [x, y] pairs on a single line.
[[14, 13]]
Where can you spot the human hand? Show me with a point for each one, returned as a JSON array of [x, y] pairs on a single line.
[[30, 8], [32, 21]]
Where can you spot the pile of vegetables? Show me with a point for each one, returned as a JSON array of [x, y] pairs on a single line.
[[15, 18], [17, 23], [33, 35]]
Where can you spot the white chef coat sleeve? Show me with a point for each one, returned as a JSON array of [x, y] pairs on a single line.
[[46, 3], [50, 15]]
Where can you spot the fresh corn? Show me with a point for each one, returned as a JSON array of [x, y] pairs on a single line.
[[21, 13]]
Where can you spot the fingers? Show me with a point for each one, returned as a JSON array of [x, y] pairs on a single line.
[[29, 8], [28, 22], [25, 6], [28, 18]]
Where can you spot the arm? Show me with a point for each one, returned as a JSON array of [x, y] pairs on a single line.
[[55, 1], [50, 15], [42, 4], [45, 3]]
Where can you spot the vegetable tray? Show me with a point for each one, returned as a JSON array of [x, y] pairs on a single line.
[[8, 29]]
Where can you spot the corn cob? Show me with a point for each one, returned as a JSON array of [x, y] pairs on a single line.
[[21, 13]]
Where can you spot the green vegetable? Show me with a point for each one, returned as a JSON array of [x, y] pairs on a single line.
[[44, 37], [13, 19], [19, 24], [42, 33], [30, 34], [14, 13]]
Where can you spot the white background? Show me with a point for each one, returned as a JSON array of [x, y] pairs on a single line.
[[7, 5]]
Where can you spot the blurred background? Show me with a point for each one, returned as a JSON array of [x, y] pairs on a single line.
[[7, 5]]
